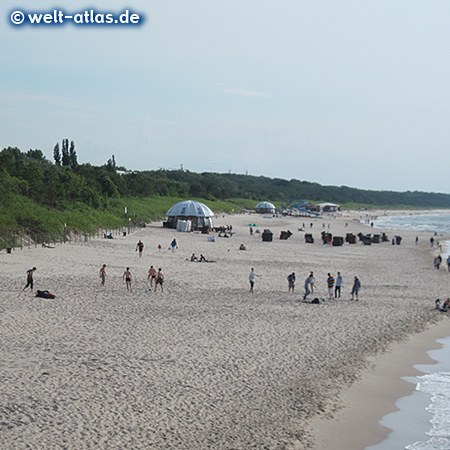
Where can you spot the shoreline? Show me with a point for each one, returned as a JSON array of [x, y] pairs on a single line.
[[356, 425]]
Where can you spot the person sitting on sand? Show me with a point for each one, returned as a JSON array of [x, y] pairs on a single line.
[[45, 245], [438, 306], [193, 257], [242, 247], [446, 305], [202, 258], [127, 277]]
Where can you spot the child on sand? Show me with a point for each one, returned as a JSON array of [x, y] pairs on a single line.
[[103, 274]]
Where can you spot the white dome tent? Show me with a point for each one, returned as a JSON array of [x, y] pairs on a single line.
[[265, 208], [198, 214]]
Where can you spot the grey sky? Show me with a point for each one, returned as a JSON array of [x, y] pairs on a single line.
[[349, 93]]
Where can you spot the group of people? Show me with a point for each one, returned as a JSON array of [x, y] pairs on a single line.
[[334, 285], [140, 247], [156, 278], [201, 258]]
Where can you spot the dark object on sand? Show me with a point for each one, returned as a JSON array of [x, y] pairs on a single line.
[[44, 294], [350, 238], [326, 237], [338, 241], [376, 239], [285, 235], [267, 236], [309, 238]]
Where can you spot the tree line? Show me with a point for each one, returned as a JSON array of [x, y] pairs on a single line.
[[28, 180]]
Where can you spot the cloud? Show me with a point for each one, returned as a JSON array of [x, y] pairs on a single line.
[[245, 93]]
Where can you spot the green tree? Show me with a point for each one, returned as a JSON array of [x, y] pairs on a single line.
[[65, 159], [57, 155], [72, 156]]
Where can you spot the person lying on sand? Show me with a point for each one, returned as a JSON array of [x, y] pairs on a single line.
[[46, 245]]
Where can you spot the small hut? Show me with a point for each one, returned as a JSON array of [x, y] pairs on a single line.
[[198, 214], [265, 208]]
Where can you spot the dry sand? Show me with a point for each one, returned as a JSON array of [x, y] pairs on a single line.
[[204, 365]]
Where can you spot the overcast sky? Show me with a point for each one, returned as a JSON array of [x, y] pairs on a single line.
[[353, 93]]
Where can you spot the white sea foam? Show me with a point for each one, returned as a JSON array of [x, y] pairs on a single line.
[[422, 421], [438, 386]]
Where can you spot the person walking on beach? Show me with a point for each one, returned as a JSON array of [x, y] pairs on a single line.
[[308, 283], [174, 245], [437, 262], [251, 279], [151, 276], [417, 240], [140, 247], [338, 285], [103, 274], [356, 288], [291, 281], [330, 284], [313, 280], [127, 277], [30, 279], [432, 241], [159, 279], [448, 263]]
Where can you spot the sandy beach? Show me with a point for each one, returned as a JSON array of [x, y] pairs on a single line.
[[205, 365]]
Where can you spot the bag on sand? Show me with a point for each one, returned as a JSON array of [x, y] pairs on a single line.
[[44, 294], [316, 301]]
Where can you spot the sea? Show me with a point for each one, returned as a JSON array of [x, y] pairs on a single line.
[[434, 223], [422, 421]]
